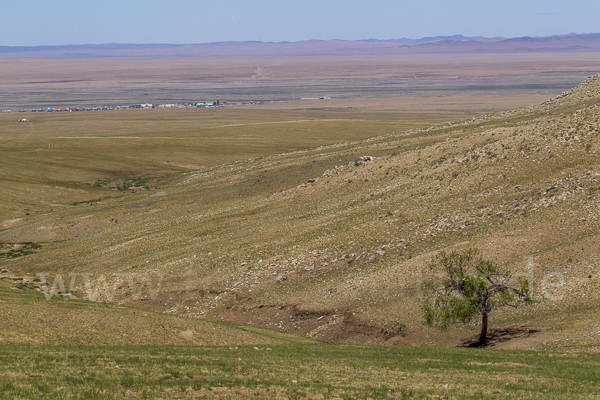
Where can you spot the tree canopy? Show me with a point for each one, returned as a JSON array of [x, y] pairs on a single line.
[[466, 286]]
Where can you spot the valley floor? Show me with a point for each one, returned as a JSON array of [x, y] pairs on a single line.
[[293, 372]]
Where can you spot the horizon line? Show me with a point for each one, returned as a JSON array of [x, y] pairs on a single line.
[[456, 37]]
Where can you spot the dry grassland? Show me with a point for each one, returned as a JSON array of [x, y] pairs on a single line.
[[350, 236], [295, 223], [215, 205], [29, 319], [69, 150]]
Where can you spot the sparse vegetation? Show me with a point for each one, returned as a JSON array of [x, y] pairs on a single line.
[[15, 250], [87, 202], [30, 318], [356, 237], [123, 184], [293, 224]]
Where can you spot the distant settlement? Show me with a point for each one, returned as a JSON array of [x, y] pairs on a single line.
[[191, 104]]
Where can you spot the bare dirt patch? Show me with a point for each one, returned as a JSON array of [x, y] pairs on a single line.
[[499, 336], [329, 325]]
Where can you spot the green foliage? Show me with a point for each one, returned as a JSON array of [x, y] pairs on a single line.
[[135, 182], [123, 184], [86, 202], [15, 250], [467, 287]]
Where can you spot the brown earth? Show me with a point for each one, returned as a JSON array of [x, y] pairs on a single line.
[[352, 227], [499, 336], [553, 217]]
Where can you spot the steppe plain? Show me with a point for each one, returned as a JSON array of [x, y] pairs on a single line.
[[206, 208], [64, 82]]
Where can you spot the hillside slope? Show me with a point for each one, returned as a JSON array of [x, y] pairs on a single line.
[[332, 242], [28, 318]]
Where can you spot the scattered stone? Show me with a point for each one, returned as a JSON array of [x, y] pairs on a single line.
[[280, 278], [363, 160], [360, 257], [309, 268]]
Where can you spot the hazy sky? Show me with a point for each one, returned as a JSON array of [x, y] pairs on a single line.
[[37, 22]]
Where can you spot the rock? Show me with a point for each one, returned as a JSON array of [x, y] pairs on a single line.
[[280, 278], [363, 160], [324, 264], [380, 252], [309, 268]]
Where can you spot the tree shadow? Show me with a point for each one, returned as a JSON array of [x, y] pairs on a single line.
[[500, 335]]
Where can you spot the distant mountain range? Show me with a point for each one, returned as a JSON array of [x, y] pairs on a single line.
[[425, 39], [371, 47]]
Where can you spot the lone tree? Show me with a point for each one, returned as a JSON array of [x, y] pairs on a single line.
[[468, 287]]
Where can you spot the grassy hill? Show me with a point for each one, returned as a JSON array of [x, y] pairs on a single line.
[[29, 319], [332, 242]]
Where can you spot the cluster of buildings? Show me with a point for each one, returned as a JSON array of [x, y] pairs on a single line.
[[193, 104]]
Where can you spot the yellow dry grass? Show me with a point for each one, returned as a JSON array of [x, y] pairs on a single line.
[[237, 197]]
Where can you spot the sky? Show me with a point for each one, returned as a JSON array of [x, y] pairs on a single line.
[[40, 23]]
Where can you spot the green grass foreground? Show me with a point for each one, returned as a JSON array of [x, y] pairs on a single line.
[[292, 372]]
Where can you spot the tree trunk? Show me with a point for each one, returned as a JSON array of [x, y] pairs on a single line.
[[484, 326]]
